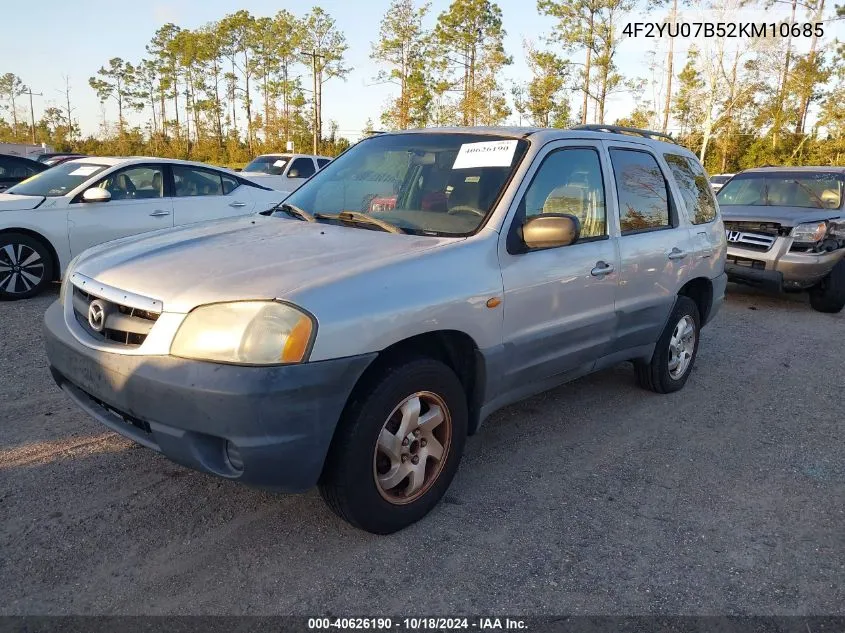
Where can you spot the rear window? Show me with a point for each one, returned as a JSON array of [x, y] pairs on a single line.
[[695, 189], [782, 189]]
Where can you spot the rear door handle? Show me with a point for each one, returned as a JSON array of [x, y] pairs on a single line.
[[602, 269], [677, 253], [238, 205], [159, 213]]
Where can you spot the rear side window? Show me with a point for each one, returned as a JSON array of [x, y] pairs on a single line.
[[695, 190], [642, 192], [301, 168], [190, 182], [230, 184], [322, 162]]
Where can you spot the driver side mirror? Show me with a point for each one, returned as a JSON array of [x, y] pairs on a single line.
[[95, 194], [550, 230]]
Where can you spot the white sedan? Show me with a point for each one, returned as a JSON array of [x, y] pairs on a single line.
[[50, 218]]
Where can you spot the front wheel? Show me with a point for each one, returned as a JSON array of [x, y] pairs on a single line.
[[397, 447], [675, 352], [829, 294], [25, 266]]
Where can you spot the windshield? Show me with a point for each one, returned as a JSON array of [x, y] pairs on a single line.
[[429, 183], [58, 180], [779, 189], [273, 165]]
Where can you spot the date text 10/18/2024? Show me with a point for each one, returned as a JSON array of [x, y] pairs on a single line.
[[417, 624]]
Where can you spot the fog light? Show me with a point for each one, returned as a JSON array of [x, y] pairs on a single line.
[[234, 457]]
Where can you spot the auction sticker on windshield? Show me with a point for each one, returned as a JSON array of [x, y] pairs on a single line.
[[486, 154], [84, 171]]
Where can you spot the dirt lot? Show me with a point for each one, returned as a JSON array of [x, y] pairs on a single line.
[[728, 497]]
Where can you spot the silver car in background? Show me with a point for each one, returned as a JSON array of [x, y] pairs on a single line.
[[354, 337]]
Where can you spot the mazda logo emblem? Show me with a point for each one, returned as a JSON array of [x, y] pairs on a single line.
[[97, 315]]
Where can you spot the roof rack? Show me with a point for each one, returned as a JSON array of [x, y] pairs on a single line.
[[618, 129]]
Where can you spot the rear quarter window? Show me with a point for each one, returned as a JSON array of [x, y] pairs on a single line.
[[695, 189]]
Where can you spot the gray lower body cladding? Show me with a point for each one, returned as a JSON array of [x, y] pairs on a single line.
[[281, 418]]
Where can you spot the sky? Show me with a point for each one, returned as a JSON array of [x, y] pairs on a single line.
[[74, 39]]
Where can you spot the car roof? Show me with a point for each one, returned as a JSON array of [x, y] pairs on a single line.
[[290, 155], [808, 169], [113, 161], [26, 158], [546, 135]]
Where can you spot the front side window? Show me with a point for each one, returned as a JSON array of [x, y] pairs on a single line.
[[779, 189], [642, 192], [134, 183], [424, 183], [190, 181], [569, 181], [301, 168], [273, 165], [695, 190], [57, 181]]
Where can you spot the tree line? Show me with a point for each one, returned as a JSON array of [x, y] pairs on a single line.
[[247, 84]]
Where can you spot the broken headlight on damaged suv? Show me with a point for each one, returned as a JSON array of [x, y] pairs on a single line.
[[818, 237]]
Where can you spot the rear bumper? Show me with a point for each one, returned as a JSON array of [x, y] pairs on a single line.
[[281, 419], [780, 268]]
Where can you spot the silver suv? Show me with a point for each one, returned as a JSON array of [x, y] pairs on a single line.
[[356, 335]]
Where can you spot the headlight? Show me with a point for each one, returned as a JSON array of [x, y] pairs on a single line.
[[246, 333], [809, 232]]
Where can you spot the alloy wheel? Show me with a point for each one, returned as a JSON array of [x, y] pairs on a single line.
[[21, 268], [681, 347], [412, 448]]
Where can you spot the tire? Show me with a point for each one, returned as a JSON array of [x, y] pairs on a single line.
[[657, 375], [26, 266], [357, 456], [829, 294]]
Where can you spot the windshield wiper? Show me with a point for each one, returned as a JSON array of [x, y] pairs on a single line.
[[812, 193], [294, 211], [356, 217]]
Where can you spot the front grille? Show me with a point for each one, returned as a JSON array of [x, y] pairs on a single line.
[[120, 323], [139, 424], [763, 228], [756, 236]]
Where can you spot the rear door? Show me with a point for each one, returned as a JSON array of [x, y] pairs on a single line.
[[201, 194], [655, 247], [559, 314], [139, 203]]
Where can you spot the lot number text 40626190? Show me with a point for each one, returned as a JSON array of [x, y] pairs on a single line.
[[724, 29]]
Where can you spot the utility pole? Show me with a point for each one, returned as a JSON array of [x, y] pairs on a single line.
[[32, 109], [317, 96]]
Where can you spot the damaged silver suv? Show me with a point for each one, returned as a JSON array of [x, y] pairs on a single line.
[[355, 336], [786, 231]]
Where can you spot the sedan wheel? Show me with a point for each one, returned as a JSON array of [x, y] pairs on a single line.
[[25, 266]]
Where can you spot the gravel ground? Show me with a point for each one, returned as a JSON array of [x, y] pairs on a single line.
[[594, 498]]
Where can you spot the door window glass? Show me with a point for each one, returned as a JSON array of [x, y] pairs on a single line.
[[570, 181], [230, 184], [641, 187], [695, 190], [301, 168], [134, 183], [190, 181]]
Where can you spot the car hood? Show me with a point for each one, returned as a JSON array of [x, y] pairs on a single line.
[[786, 216], [12, 202], [279, 183], [254, 257]]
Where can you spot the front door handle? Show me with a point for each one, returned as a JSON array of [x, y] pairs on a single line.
[[677, 253], [238, 205], [602, 268], [159, 213]]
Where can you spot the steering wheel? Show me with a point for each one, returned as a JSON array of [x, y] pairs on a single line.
[[464, 208]]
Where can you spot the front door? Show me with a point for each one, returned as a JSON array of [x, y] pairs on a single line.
[[138, 204], [655, 246], [559, 302]]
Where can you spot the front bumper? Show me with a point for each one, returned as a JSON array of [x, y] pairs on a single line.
[[281, 419], [779, 268]]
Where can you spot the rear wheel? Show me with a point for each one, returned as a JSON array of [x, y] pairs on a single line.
[[25, 266], [397, 447], [829, 294], [675, 353]]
